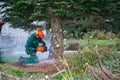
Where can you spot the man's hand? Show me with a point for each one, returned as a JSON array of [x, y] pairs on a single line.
[[40, 49]]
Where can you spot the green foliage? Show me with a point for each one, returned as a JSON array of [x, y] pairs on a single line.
[[22, 74], [99, 35], [1, 68], [13, 71], [77, 61], [108, 57], [87, 55], [28, 11], [83, 42], [75, 32], [76, 77], [90, 37], [36, 16]]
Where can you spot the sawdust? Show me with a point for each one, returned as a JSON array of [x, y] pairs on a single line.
[[47, 66]]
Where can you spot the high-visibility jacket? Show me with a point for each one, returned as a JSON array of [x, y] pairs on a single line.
[[32, 44]]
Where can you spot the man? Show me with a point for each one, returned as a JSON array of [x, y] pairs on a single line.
[[1, 23], [32, 46]]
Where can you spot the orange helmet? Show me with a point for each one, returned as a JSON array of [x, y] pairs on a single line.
[[39, 33]]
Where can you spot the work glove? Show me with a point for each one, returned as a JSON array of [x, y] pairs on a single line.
[[40, 49]]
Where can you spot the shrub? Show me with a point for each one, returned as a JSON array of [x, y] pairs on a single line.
[[97, 34], [87, 55], [77, 61], [107, 35]]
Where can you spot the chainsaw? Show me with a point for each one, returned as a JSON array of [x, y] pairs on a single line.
[[42, 47]]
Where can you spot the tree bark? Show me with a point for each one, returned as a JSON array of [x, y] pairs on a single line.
[[57, 38]]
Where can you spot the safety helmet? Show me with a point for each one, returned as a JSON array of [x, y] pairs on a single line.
[[39, 33]]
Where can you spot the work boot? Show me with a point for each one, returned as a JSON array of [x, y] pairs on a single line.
[[21, 61]]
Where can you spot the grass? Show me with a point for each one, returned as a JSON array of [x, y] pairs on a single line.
[[97, 42], [76, 77], [109, 59], [22, 74], [106, 42]]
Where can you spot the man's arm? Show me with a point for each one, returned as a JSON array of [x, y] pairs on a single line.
[[44, 44]]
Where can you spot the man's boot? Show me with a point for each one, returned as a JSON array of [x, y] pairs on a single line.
[[21, 61]]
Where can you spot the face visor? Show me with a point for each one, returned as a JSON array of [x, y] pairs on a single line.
[[39, 33]]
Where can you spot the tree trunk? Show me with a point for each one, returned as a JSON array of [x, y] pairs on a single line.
[[57, 38]]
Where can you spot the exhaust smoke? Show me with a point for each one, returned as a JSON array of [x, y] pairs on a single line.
[[13, 45]]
